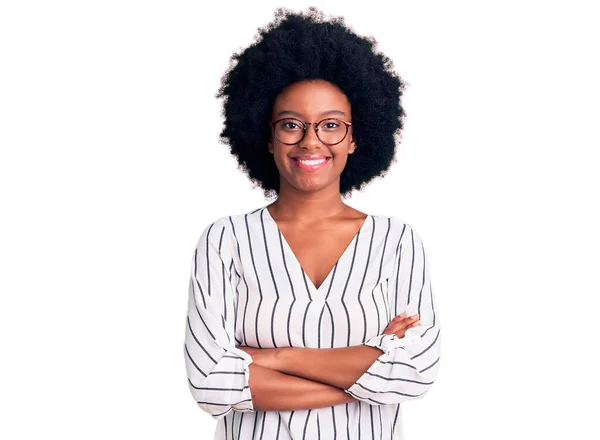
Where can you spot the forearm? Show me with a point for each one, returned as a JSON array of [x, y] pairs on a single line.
[[275, 391], [338, 367]]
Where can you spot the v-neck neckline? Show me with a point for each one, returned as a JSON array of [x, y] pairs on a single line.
[[307, 279]]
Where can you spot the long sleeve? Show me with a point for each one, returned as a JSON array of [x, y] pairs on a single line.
[[217, 371], [409, 365]]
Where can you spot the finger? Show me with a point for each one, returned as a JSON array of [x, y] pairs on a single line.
[[410, 320], [406, 322], [394, 327], [397, 328], [402, 331], [403, 316], [402, 326], [396, 319], [400, 316]]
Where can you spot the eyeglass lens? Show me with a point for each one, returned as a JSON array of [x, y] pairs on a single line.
[[329, 131]]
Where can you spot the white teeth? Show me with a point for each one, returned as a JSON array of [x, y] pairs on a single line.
[[311, 162]]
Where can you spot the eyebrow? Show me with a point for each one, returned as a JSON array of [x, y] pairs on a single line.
[[291, 112]]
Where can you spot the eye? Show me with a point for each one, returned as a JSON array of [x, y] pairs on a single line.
[[290, 125], [330, 125]]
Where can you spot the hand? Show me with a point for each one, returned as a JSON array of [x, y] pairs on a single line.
[[265, 357], [401, 323], [254, 352]]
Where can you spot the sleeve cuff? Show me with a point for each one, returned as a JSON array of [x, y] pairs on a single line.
[[378, 369], [220, 394], [242, 354], [245, 403], [387, 343]]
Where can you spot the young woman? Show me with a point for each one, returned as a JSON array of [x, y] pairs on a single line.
[[308, 319]]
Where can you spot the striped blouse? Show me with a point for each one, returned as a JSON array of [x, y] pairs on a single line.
[[247, 288]]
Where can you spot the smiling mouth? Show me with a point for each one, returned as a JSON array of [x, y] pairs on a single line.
[[312, 164]]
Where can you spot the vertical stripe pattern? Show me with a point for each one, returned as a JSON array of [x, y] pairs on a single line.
[[248, 288]]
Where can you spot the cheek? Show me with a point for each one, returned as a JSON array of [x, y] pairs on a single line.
[[281, 159], [341, 155], [340, 160]]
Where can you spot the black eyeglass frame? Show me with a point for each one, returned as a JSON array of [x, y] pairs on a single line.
[[305, 126]]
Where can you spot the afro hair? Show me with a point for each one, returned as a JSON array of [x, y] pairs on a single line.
[[302, 46]]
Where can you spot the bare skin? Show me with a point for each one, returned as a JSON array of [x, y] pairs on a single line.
[[318, 226], [290, 378], [275, 391], [318, 246]]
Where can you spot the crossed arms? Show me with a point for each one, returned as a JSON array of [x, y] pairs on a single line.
[[397, 365], [292, 378]]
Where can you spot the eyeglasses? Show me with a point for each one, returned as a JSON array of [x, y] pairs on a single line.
[[330, 131]]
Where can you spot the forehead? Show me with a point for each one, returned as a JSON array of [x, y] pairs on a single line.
[[311, 98]]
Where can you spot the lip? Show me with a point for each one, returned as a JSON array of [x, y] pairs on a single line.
[[310, 167], [309, 157]]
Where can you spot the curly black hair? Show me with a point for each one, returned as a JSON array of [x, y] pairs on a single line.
[[300, 46]]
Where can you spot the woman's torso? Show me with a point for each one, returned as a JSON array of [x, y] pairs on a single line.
[[276, 305]]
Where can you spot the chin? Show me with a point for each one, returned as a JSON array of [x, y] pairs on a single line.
[[312, 184]]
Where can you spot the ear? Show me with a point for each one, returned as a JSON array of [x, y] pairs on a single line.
[[270, 144], [352, 146]]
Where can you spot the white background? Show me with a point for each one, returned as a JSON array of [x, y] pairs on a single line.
[[110, 168]]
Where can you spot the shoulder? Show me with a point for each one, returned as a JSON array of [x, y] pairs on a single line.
[[225, 227], [400, 228], [397, 224]]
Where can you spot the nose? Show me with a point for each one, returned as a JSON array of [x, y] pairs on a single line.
[[311, 140]]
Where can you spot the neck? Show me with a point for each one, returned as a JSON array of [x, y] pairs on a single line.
[[307, 207]]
